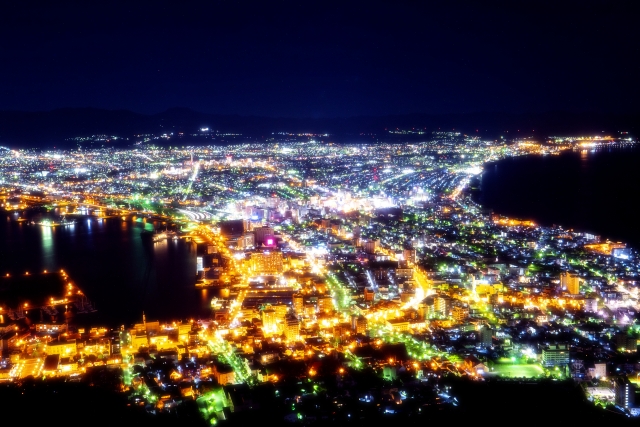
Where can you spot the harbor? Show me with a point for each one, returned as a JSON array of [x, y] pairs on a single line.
[[44, 298]]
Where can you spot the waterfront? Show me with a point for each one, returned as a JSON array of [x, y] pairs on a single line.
[[591, 191], [120, 273]]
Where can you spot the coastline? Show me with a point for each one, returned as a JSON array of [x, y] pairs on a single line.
[[571, 184]]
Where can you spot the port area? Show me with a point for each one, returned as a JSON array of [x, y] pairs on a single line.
[[40, 298]]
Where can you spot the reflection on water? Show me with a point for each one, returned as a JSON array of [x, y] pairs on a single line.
[[48, 254], [121, 273]]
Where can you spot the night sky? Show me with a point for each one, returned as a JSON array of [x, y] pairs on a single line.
[[320, 59]]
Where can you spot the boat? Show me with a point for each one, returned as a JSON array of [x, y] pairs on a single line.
[[159, 236]]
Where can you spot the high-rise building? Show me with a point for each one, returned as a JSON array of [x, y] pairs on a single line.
[[359, 324], [269, 321], [485, 336], [281, 311], [234, 228], [626, 342], [268, 262], [443, 305], [409, 254], [261, 233], [298, 303], [292, 329], [625, 393], [460, 313], [325, 303], [555, 355], [370, 246], [570, 282]]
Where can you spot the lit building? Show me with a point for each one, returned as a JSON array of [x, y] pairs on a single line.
[[570, 282], [223, 373], [139, 340], [63, 348], [626, 342], [325, 304], [485, 336], [281, 311], [555, 355], [269, 321], [359, 324], [370, 246], [298, 303], [399, 325], [261, 233], [625, 393], [292, 329], [591, 305], [460, 313], [268, 262], [443, 305], [598, 371], [409, 255]]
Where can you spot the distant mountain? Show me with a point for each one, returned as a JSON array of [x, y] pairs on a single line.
[[20, 129]]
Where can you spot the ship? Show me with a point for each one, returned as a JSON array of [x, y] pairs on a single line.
[[156, 236], [50, 223]]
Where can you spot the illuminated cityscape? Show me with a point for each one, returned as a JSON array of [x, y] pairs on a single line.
[[319, 213], [331, 261]]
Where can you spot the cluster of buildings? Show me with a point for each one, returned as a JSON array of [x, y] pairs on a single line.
[[334, 258]]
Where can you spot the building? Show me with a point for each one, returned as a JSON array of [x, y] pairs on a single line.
[[598, 371], [409, 254], [325, 304], [292, 329], [281, 311], [370, 246], [398, 325], [62, 348], [261, 233], [555, 355], [223, 373], [460, 313], [625, 393], [269, 321], [138, 340], [427, 308], [591, 305], [234, 228], [298, 303], [359, 324], [443, 305], [570, 282], [626, 342], [268, 262], [485, 336]]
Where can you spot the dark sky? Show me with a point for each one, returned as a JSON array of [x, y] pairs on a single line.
[[320, 59]]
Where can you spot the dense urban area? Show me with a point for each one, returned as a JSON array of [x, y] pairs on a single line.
[[356, 281]]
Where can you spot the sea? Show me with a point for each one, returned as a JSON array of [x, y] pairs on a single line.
[[593, 191]]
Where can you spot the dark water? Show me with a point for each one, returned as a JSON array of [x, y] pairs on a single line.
[[121, 274], [595, 191]]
